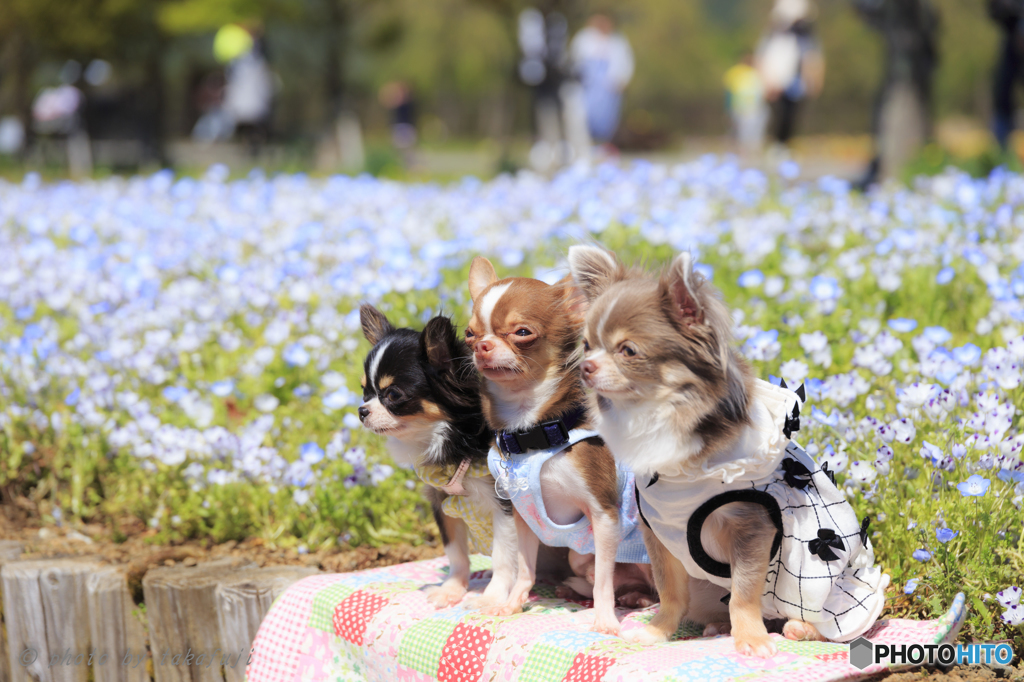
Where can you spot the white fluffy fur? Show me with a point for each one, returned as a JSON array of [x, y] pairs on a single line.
[[521, 409], [643, 435]]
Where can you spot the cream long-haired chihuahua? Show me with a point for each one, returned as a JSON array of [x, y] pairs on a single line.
[[729, 498]]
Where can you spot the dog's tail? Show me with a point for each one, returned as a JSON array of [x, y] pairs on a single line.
[[580, 585]]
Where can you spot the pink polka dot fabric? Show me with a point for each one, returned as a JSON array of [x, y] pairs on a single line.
[[377, 625]]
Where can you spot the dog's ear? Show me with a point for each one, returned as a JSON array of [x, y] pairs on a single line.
[[686, 290], [439, 342], [481, 276], [576, 303], [375, 324], [593, 269]]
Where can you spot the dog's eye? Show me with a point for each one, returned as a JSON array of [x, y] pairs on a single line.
[[627, 350], [469, 333], [523, 331], [586, 346], [393, 394]]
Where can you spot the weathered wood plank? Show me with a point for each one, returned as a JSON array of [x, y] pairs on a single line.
[[46, 611], [9, 551], [116, 632], [182, 609], [243, 599]]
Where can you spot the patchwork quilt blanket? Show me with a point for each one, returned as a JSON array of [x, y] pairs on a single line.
[[377, 625]]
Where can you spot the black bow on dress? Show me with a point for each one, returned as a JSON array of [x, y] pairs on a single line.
[[793, 420], [824, 544], [864, 530], [796, 474]]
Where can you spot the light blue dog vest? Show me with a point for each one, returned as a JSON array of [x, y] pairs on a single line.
[[520, 474]]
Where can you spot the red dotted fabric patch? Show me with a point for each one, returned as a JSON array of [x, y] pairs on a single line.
[[843, 656], [464, 654], [588, 668], [353, 614]]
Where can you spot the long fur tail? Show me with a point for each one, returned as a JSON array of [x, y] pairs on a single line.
[[580, 586]]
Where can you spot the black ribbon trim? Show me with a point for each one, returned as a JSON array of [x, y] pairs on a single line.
[[823, 545], [654, 479], [793, 420], [828, 472], [696, 523], [864, 530], [636, 491], [797, 475], [726, 599]]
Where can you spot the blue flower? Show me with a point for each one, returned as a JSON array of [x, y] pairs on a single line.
[[902, 324], [706, 270], [751, 279], [174, 393], [789, 169], [911, 586], [295, 355], [944, 535], [222, 389], [937, 335], [311, 453], [967, 354], [73, 397], [922, 555], [1011, 475], [975, 486], [824, 288], [945, 275]]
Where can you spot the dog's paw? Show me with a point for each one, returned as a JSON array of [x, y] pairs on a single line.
[[800, 631], [480, 602], [445, 595], [506, 609], [606, 625], [647, 635], [716, 629], [759, 646], [636, 600]]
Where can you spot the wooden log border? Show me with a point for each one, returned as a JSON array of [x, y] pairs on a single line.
[[57, 612]]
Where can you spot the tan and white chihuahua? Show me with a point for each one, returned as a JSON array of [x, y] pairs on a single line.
[[720, 481], [524, 335]]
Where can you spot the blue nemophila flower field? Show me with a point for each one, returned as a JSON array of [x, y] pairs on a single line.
[[186, 353]]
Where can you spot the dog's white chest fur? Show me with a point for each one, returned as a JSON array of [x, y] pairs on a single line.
[[644, 436], [423, 447]]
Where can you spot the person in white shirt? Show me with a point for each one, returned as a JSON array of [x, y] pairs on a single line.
[[604, 61]]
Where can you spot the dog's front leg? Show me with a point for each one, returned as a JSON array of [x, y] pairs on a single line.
[[504, 559], [673, 583], [528, 543], [455, 534], [750, 548], [606, 544]]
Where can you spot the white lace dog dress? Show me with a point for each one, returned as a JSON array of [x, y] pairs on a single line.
[[519, 474], [822, 569]]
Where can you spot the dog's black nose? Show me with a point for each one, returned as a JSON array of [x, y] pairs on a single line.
[[364, 412]]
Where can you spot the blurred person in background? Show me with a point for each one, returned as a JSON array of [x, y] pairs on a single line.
[[397, 98], [249, 87], [57, 113], [1009, 15], [791, 65], [745, 102], [901, 122], [544, 68], [603, 60]]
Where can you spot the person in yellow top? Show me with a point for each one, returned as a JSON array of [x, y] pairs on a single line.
[[746, 105]]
